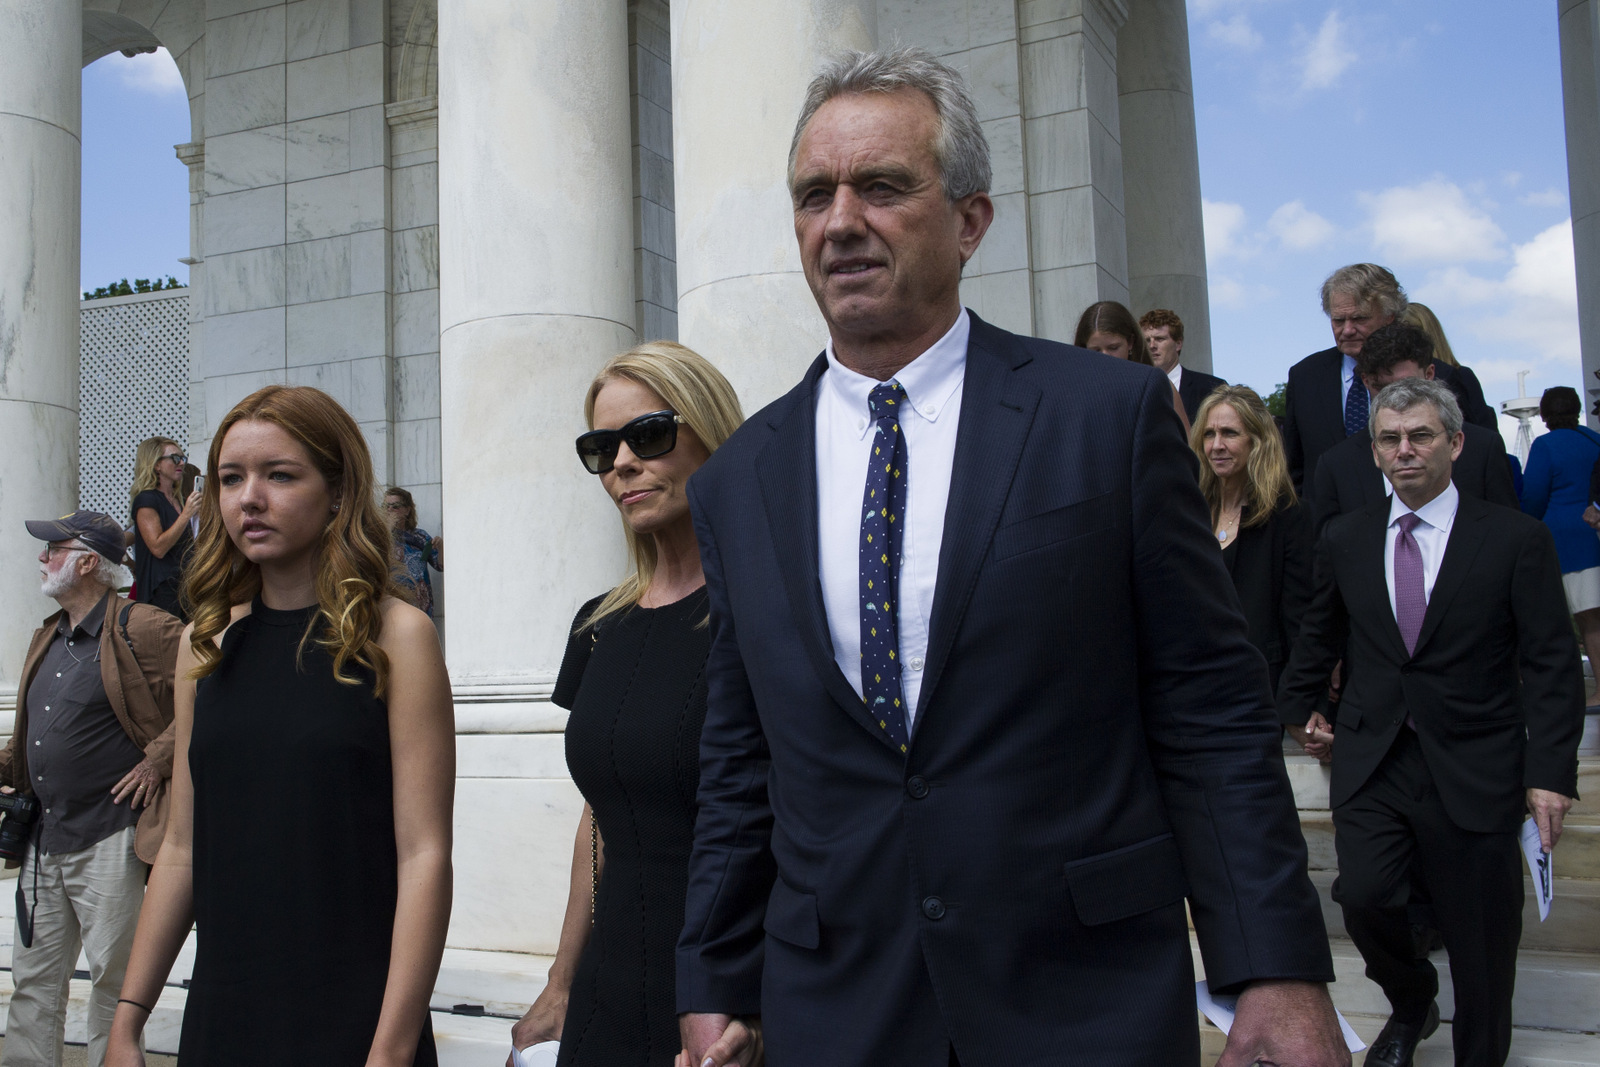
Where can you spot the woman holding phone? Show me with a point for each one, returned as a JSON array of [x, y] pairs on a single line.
[[314, 770], [160, 523]]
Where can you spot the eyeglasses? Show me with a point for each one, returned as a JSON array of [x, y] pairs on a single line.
[[647, 437], [1421, 440], [177, 457], [51, 550]]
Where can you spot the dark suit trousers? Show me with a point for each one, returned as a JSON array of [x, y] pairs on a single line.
[[1394, 825]]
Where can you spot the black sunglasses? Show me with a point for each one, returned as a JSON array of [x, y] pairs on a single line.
[[647, 437]]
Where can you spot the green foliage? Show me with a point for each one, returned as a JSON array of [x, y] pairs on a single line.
[[139, 285], [1278, 400]]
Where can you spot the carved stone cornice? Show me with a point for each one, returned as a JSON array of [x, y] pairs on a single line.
[[423, 111]]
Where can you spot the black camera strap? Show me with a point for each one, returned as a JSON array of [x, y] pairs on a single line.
[[24, 916]]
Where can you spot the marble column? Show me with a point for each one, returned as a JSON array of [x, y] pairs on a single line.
[[739, 73], [1073, 157], [40, 105], [536, 290], [1580, 85], [1161, 172]]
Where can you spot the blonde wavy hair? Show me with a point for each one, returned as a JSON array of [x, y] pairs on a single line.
[[687, 383], [354, 568], [1422, 317], [144, 467], [1267, 483]]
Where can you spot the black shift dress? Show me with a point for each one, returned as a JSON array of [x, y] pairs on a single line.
[[637, 693], [295, 871]]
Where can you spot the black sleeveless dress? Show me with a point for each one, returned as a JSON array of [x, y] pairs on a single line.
[[637, 693], [294, 856]]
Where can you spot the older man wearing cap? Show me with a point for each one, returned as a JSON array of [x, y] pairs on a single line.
[[93, 741]]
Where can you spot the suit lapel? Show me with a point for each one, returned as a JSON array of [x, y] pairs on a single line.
[[1375, 576], [997, 410], [1333, 370], [1466, 538], [786, 469], [1372, 490]]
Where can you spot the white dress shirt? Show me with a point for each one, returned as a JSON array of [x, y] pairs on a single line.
[[1432, 534], [1175, 375], [845, 432], [1347, 379]]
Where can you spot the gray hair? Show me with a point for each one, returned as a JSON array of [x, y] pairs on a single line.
[[1368, 283], [1407, 393], [960, 148]]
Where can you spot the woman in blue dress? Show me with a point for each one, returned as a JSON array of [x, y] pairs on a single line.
[[1555, 488], [418, 551]]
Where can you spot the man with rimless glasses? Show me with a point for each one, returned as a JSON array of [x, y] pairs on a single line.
[[1461, 713], [983, 710]]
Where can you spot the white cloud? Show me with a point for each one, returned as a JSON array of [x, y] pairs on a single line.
[[1327, 55], [151, 72], [1225, 229], [1229, 292], [1298, 227], [1432, 222], [1527, 319], [1236, 33], [1551, 197]]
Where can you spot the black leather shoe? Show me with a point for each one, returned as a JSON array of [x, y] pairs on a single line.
[[1398, 1040]]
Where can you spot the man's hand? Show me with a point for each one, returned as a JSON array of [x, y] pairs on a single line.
[[1548, 809], [1316, 737], [1285, 1022], [719, 1041], [140, 784]]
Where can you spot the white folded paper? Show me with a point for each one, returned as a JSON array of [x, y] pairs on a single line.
[[1220, 1011], [1540, 866], [541, 1055]]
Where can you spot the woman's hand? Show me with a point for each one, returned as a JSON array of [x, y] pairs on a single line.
[[192, 505], [542, 1022], [122, 1045]]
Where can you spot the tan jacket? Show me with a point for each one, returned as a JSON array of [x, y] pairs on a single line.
[[137, 665]]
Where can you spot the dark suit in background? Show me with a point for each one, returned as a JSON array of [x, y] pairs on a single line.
[[1313, 420], [1271, 569], [1496, 694], [1193, 387], [1348, 479], [1469, 394], [1094, 741]]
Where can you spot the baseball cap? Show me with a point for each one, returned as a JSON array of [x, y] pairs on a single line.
[[96, 530]]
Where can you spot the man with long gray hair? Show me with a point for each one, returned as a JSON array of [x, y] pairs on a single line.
[[982, 709], [1461, 714], [93, 743]]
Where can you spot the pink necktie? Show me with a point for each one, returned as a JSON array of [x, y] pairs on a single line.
[[1410, 599]]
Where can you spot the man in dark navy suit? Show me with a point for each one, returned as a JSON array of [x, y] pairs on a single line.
[[1163, 336], [1326, 401], [983, 710], [1349, 478]]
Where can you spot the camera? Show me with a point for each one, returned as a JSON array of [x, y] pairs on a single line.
[[21, 812]]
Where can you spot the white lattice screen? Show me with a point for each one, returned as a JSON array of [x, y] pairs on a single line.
[[133, 383]]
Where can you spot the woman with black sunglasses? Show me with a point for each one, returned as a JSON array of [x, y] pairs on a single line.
[[162, 536], [634, 682]]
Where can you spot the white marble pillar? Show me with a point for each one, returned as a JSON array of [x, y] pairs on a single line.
[[1078, 241], [536, 288], [739, 73], [40, 105], [1580, 85], [1161, 172]]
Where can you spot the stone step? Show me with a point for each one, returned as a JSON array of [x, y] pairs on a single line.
[[465, 1041], [1310, 782], [1529, 1048], [1577, 855], [503, 983], [161, 1032]]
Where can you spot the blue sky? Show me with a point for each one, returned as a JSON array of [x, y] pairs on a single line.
[[1422, 134]]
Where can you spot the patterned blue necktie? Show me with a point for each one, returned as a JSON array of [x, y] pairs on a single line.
[[882, 526], [1355, 407]]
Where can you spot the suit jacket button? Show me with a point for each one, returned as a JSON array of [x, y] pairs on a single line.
[[933, 908], [917, 786]]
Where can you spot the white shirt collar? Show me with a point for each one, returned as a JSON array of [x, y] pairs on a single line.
[[1438, 513], [1175, 375], [929, 380]]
